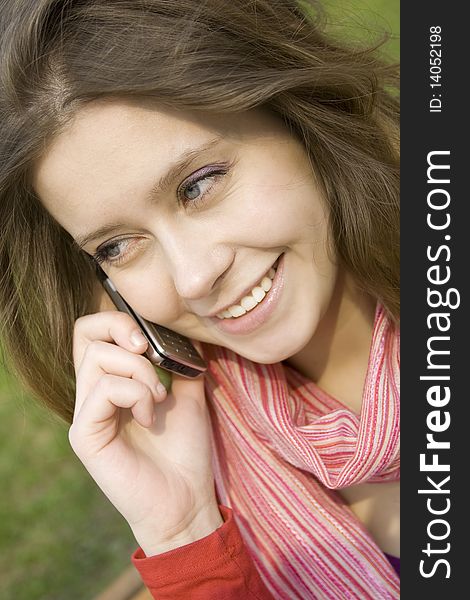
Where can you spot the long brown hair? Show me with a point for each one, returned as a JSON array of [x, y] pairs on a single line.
[[206, 55]]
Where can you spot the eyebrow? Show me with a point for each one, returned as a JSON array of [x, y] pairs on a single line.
[[162, 186]]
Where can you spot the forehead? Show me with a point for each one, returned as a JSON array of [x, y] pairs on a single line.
[[110, 150], [108, 138]]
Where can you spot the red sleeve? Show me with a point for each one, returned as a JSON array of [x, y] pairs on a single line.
[[216, 567]]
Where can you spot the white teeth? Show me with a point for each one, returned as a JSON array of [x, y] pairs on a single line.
[[248, 302], [236, 310], [258, 293], [266, 284]]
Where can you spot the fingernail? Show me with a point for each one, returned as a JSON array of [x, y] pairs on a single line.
[[161, 389], [138, 338]]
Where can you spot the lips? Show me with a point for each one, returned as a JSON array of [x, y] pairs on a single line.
[[251, 300], [259, 314], [247, 292]]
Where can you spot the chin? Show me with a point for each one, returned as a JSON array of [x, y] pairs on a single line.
[[268, 353]]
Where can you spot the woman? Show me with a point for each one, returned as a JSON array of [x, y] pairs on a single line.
[[235, 174]]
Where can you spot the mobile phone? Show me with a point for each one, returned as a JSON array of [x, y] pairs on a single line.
[[167, 349]]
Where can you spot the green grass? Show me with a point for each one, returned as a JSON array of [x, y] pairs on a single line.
[[366, 20], [60, 538]]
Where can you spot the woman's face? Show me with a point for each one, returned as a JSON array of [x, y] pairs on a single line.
[[190, 216]]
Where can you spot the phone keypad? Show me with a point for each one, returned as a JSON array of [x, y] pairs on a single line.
[[178, 344]]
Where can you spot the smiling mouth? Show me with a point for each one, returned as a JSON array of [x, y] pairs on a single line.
[[252, 299]]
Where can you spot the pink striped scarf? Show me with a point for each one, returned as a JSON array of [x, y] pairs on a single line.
[[282, 445]]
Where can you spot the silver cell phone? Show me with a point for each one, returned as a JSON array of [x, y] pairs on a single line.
[[167, 349]]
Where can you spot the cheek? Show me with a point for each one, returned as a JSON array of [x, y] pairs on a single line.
[[102, 301], [278, 188], [151, 296], [279, 217]]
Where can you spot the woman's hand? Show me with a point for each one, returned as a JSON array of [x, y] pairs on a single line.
[[149, 451]]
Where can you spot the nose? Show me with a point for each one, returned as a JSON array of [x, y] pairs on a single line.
[[196, 261]]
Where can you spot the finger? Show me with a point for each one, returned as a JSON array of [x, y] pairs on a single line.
[[98, 415], [110, 326], [104, 358]]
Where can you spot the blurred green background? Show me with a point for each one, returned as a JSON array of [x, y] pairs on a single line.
[[60, 539]]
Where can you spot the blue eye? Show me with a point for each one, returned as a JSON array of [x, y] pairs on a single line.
[[200, 184], [111, 252], [198, 189], [191, 192]]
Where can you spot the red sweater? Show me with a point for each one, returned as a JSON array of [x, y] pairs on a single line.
[[217, 567]]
